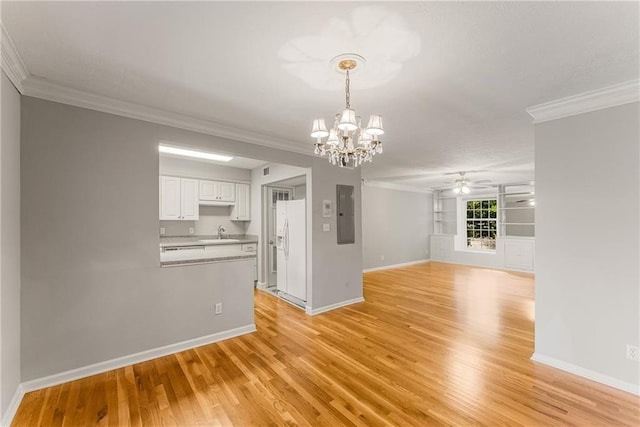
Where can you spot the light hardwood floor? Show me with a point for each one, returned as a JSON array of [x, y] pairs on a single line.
[[433, 344]]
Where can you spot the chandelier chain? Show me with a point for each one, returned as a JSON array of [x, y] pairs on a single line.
[[348, 94]]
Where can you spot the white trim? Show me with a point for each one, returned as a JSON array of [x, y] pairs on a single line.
[[392, 186], [586, 373], [262, 285], [387, 267], [515, 270], [313, 311], [12, 408], [143, 356], [44, 89], [610, 96], [12, 63]]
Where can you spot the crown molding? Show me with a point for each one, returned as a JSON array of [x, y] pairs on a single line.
[[36, 87], [12, 63], [610, 96], [50, 91], [392, 186]]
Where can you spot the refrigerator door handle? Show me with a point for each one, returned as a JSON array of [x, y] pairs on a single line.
[[285, 239]]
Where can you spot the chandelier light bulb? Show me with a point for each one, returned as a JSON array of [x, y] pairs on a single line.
[[375, 125], [348, 120], [319, 129], [365, 139], [333, 137], [465, 189]]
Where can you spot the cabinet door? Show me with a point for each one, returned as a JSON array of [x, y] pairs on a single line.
[[208, 190], [170, 202], [226, 191], [189, 199], [241, 211], [519, 255]]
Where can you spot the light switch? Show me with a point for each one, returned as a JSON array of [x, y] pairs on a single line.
[[326, 227], [162, 231]]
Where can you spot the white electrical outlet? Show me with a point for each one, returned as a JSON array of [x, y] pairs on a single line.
[[162, 231], [633, 352], [190, 230], [381, 257], [326, 227], [218, 308]]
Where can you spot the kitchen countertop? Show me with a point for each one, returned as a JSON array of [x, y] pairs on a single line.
[[202, 256], [228, 239], [168, 259]]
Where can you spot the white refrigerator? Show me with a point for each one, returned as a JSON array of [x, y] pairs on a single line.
[[291, 244]]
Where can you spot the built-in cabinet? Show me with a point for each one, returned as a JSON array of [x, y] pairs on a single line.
[[241, 211], [179, 199], [217, 191], [519, 254]]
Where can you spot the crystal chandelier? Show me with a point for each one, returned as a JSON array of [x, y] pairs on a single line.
[[347, 141]]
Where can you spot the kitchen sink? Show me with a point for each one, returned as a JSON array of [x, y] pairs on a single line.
[[206, 241]]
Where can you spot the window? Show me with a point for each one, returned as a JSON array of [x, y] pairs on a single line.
[[482, 224]]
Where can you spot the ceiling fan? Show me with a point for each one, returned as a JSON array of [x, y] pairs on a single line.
[[462, 185]]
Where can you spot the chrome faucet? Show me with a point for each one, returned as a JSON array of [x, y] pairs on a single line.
[[221, 230]]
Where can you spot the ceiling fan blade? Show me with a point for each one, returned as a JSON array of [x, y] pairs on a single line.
[[464, 172]]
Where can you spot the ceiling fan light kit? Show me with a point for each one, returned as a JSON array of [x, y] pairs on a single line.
[[461, 185], [347, 141]]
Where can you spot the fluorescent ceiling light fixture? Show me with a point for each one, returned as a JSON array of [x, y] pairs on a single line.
[[192, 153]]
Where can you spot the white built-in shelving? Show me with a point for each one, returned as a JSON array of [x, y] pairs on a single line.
[[516, 210], [444, 213]]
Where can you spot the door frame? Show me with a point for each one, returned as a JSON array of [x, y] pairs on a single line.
[[264, 242]]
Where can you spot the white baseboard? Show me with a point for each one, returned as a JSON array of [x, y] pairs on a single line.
[[587, 373], [143, 356], [262, 285], [313, 311], [484, 266], [404, 264], [7, 417]]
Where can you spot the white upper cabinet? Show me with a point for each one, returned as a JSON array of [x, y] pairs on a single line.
[[178, 198], [227, 191], [170, 198], [241, 211], [190, 206], [217, 191]]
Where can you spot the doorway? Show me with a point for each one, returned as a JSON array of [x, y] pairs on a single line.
[[273, 195]]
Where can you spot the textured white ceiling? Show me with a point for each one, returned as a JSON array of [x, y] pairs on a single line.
[[457, 102]]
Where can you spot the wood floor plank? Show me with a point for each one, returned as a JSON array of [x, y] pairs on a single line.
[[434, 344]]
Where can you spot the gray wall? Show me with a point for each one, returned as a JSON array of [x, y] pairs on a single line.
[[396, 224], [92, 286], [587, 250], [300, 191], [9, 243], [337, 269], [202, 170]]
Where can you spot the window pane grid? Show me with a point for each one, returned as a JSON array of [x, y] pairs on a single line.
[[482, 224]]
